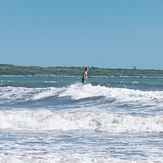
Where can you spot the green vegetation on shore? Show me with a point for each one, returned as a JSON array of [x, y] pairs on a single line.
[[6, 69]]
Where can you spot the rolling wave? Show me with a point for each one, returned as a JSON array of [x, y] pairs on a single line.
[[47, 120], [13, 95]]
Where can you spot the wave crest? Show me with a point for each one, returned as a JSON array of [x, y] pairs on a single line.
[[12, 95]]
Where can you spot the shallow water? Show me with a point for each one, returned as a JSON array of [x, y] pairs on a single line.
[[60, 120]]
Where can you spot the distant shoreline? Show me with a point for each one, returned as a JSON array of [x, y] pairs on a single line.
[[61, 76], [33, 71]]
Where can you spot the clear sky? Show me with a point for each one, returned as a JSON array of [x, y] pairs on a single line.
[[99, 33]]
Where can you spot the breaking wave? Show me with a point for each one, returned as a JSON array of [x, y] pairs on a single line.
[[11, 95], [47, 120]]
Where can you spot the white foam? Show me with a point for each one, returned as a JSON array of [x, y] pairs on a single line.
[[69, 159], [47, 120], [135, 82], [5, 81], [49, 81], [122, 95], [11, 94], [46, 92], [21, 94], [77, 91]]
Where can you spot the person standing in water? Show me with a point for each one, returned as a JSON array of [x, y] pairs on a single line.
[[85, 75]]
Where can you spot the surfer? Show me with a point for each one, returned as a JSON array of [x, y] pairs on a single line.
[[85, 75]]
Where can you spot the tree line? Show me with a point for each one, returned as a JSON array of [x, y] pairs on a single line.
[[9, 69]]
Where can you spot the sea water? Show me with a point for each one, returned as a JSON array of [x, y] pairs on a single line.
[[59, 120]]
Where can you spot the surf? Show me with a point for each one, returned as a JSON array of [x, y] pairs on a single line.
[[14, 95], [97, 121]]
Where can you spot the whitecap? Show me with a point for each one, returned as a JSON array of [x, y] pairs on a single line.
[[47, 120]]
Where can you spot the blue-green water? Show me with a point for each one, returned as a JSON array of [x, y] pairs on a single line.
[[57, 119]]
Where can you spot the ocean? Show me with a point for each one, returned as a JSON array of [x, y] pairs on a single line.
[[47, 119]]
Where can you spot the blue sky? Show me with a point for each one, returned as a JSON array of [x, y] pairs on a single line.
[[99, 33]]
